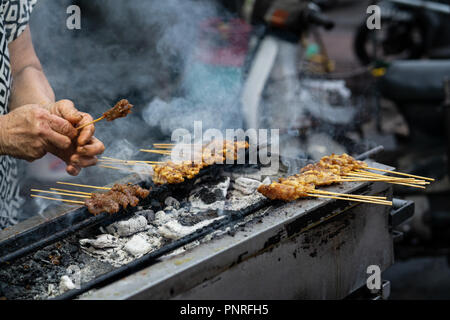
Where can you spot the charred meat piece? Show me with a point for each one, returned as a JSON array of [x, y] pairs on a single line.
[[120, 110], [139, 192], [99, 203], [119, 196]]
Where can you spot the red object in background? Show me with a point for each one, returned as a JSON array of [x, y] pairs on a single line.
[[279, 18], [223, 43]]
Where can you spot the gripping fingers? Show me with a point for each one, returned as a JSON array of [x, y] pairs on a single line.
[[83, 162], [62, 126], [56, 139], [73, 170], [87, 132], [94, 147]]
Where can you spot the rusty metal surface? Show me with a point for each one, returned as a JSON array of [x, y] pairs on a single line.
[[308, 249]]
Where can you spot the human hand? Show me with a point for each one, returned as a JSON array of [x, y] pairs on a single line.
[[83, 150], [30, 131]]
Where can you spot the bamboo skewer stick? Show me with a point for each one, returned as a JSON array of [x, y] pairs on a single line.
[[92, 122], [407, 182], [350, 195], [343, 198], [177, 144], [71, 191], [123, 169], [381, 175], [82, 185], [61, 193], [412, 180], [56, 199], [164, 152], [400, 173], [127, 164], [129, 161], [387, 178]]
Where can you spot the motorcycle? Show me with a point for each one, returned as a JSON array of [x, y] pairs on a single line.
[[410, 29]]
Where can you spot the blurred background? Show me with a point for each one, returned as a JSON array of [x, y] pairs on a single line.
[[325, 80]]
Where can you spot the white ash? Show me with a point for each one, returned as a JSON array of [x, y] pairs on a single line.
[[181, 250], [161, 217], [103, 241], [66, 284], [51, 290], [220, 189], [246, 186], [174, 230], [128, 227], [140, 244], [172, 202], [147, 214]]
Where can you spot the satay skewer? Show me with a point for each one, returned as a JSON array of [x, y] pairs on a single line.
[[407, 182], [400, 173], [82, 185], [121, 109], [349, 199], [61, 193], [368, 173], [71, 191], [412, 180], [130, 161], [56, 199], [123, 169], [126, 164], [350, 195], [163, 152], [92, 122]]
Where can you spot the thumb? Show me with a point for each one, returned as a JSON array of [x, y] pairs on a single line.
[[67, 110]]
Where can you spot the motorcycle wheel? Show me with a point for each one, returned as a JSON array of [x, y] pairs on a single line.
[[409, 43]]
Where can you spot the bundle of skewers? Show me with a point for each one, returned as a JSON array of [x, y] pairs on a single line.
[[122, 196], [200, 156], [336, 169], [111, 201]]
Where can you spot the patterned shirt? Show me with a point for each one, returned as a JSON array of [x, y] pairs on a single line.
[[14, 16]]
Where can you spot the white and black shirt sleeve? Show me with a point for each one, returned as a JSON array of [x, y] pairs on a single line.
[[14, 17]]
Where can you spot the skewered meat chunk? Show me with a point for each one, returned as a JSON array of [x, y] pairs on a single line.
[[325, 172], [214, 152], [140, 192], [278, 191], [99, 203], [120, 110], [119, 196], [167, 174]]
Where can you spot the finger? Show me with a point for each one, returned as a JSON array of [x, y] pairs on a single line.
[[83, 162], [73, 170], [62, 126], [87, 132], [56, 140], [93, 148], [67, 110]]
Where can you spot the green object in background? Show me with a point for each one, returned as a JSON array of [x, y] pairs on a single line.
[[312, 50]]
